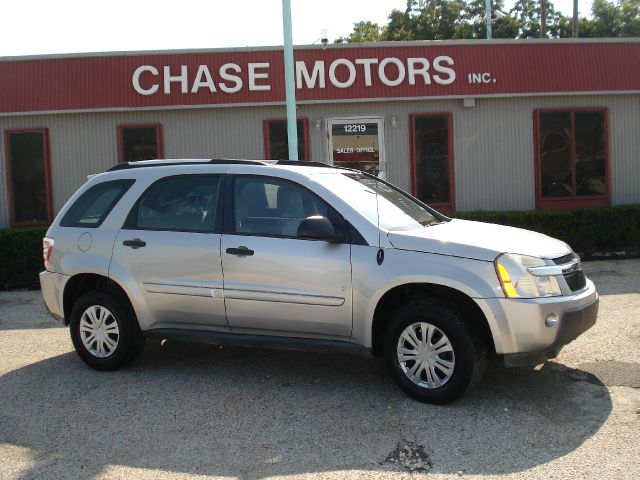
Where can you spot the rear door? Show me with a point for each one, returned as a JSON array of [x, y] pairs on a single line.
[[170, 249], [274, 282]]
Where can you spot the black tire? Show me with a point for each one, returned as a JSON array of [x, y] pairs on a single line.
[[130, 341], [468, 351]]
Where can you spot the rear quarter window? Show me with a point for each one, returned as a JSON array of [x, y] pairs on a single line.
[[94, 205]]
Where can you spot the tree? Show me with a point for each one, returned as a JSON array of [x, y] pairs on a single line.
[[449, 19], [362, 32], [611, 20], [474, 14], [426, 20], [527, 16]]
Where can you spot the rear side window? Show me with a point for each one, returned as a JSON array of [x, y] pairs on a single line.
[[93, 206], [184, 203]]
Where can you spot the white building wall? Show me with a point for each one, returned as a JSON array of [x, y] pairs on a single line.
[[492, 142]]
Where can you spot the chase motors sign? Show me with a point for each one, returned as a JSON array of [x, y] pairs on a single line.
[[345, 73], [341, 73]]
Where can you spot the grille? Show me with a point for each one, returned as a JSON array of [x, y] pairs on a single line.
[[575, 277], [576, 280]]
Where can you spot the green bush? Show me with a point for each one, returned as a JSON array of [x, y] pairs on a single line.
[[20, 255], [586, 230]]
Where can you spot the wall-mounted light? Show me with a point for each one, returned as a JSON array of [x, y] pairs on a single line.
[[393, 121], [469, 102], [317, 124]]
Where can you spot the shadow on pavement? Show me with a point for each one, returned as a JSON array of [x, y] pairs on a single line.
[[24, 309], [257, 413]]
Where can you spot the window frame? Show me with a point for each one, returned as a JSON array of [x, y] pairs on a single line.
[[574, 201], [267, 140], [130, 223], [413, 167], [159, 138], [47, 176]]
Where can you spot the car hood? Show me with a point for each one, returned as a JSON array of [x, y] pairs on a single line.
[[477, 240]]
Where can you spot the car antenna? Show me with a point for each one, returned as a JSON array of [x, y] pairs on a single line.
[[380, 254]]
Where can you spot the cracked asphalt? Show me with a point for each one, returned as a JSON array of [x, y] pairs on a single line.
[[185, 411]]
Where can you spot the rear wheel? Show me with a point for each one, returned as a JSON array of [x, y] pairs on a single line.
[[104, 331], [434, 357]]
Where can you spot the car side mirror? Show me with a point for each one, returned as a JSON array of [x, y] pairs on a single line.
[[318, 227]]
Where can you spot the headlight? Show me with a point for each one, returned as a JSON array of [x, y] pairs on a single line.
[[517, 280]]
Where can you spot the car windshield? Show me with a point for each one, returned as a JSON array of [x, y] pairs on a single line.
[[395, 211]]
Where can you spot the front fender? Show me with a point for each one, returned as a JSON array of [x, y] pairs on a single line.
[[474, 278]]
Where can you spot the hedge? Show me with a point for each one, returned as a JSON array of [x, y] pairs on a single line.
[[20, 256], [587, 231]]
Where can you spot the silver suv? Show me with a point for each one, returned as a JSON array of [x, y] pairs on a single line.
[[300, 254]]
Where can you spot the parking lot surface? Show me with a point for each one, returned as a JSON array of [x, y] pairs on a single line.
[[198, 411]]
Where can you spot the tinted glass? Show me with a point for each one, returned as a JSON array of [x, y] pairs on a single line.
[[278, 140], [555, 154], [273, 207], [590, 153], [28, 176], [93, 206], [139, 143], [185, 203], [431, 135]]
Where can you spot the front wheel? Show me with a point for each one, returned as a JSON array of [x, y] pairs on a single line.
[[433, 355], [104, 331]]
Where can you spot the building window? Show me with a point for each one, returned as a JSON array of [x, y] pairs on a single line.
[[140, 142], [432, 159], [572, 159], [276, 145], [29, 177]]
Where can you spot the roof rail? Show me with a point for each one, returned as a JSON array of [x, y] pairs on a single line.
[[215, 161], [304, 163], [169, 163]]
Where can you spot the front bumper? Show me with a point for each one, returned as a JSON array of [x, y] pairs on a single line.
[[520, 330], [52, 287]]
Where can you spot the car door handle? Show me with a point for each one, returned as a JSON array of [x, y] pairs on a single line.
[[240, 251], [134, 243]]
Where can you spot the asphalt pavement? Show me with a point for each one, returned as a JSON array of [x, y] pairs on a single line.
[[184, 411]]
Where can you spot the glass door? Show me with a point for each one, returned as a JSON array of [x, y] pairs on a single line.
[[357, 142]]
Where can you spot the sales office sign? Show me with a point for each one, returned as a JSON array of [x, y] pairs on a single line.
[[341, 73]]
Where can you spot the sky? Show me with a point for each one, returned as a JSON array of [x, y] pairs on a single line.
[[36, 27]]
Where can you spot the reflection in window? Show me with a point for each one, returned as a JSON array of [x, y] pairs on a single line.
[[273, 207], [28, 165], [432, 158], [573, 154], [555, 148], [590, 153], [185, 203], [277, 139], [140, 143]]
